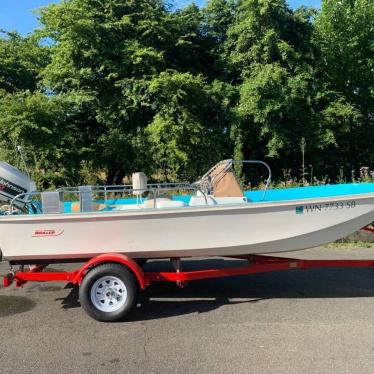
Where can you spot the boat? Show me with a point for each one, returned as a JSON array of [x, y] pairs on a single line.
[[214, 217], [113, 229]]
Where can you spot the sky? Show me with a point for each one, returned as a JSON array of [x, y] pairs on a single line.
[[18, 14]]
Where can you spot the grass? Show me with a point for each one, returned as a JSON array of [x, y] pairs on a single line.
[[346, 244]]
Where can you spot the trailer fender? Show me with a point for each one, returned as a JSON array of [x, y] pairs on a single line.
[[113, 258]]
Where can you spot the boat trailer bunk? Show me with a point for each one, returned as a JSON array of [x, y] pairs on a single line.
[[109, 283]]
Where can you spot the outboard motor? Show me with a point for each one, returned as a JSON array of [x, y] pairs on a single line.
[[12, 183]]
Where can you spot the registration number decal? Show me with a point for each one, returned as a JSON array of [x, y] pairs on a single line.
[[315, 208]]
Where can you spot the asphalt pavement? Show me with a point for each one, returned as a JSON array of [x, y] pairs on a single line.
[[315, 321]]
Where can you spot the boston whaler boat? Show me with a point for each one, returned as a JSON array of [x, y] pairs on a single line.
[[115, 227]]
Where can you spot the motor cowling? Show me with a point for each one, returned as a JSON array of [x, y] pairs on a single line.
[[13, 182]]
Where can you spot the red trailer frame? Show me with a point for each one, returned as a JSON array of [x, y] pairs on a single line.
[[256, 264]]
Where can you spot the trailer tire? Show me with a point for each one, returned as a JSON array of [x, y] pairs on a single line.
[[108, 292]]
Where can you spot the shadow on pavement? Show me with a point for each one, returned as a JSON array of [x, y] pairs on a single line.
[[10, 305]]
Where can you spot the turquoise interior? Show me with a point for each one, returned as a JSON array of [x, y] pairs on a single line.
[[296, 193]]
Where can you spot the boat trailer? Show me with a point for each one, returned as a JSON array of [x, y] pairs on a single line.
[[109, 283], [256, 264]]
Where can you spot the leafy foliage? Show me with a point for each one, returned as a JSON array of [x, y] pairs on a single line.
[[21, 62], [104, 88], [345, 34]]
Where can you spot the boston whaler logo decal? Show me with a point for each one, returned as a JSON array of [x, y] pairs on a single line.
[[44, 233]]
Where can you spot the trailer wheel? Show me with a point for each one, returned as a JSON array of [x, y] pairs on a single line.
[[108, 292]]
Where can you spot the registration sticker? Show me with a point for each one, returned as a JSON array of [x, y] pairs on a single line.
[[299, 209]]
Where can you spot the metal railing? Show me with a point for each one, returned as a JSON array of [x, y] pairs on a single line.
[[204, 186], [268, 180], [122, 188], [155, 189]]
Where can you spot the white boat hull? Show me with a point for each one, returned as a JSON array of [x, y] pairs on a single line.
[[252, 228]]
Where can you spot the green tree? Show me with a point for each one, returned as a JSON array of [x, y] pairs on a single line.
[[21, 60], [43, 126], [218, 17], [113, 56], [107, 53], [187, 135], [272, 58], [103, 88], [345, 33]]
